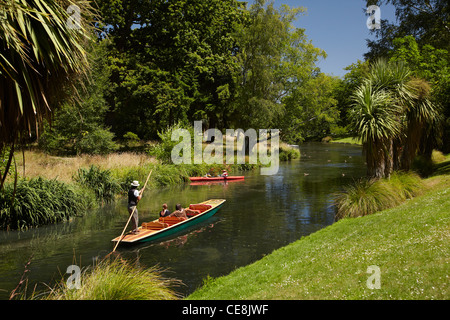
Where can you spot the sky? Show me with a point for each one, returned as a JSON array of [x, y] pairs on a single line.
[[338, 27]]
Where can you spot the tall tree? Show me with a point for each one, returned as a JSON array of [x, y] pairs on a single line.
[[391, 112], [78, 125], [433, 65], [170, 61], [276, 62], [427, 21]]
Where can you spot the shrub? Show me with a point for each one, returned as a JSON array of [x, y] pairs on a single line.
[[365, 196], [288, 153], [130, 139], [117, 280], [99, 141], [39, 202], [163, 150], [100, 182]]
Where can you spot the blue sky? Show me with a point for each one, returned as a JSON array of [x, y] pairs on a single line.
[[338, 27]]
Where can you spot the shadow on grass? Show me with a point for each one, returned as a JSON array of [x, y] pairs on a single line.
[[441, 168]]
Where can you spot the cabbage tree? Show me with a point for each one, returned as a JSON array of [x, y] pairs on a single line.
[[41, 57]]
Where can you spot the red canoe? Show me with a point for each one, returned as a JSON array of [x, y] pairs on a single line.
[[217, 178]]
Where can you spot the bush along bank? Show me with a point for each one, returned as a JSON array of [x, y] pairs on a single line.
[[367, 196], [117, 279], [40, 201]]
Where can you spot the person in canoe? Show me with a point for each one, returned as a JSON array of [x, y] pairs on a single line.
[[164, 212], [224, 173], [179, 212], [133, 198]]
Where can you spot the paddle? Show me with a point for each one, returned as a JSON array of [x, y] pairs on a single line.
[[140, 193]]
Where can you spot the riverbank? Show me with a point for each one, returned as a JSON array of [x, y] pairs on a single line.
[[96, 179], [39, 164], [349, 140], [408, 245]]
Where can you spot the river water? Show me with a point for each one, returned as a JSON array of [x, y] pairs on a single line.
[[261, 214]]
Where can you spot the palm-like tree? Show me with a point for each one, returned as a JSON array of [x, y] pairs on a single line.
[[40, 55], [423, 120], [392, 111], [375, 121]]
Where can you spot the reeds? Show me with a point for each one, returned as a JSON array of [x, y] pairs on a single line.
[[288, 153], [39, 202], [367, 196], [117, 279], [100, 182]]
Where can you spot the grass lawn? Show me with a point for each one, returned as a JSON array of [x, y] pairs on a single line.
[[409, 244], [349, 140]]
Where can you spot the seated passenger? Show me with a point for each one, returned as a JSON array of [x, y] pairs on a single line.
[[164, 212], [224, 173], [179, 212]]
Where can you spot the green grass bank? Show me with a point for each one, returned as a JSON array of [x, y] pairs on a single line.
[[348, 140], [409, 244]]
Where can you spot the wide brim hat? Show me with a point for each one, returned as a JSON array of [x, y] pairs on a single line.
[[135, 183]]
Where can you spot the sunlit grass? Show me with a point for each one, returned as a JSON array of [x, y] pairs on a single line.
[[117, 279], [63, 168], [350, 140], [409, 243], [367, 196]]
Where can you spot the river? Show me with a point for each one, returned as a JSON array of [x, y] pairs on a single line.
[[261, 214]]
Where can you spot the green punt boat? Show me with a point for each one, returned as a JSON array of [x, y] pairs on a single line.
[[168, 226]]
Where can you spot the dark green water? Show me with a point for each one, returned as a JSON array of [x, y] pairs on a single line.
[[262, 213]]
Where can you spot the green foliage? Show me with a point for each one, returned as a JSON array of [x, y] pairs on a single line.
[[420, 36], [169, 62], [78, 126], [392, 115], [356, 73], [279, 85], [311, 111], [100, 141], [100, 182], [367, 196], [288, 153], [426, 20], [163, 150], [39, 202], [117, 279], [131, 139], [433, 65], [39, 58]]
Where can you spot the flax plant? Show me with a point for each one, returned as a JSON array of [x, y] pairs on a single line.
[[41, 58]]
